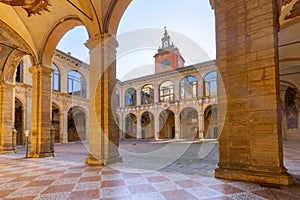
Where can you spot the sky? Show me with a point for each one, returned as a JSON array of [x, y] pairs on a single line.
[[190, 24]]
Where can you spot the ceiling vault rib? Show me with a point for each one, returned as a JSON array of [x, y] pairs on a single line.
[[14, 48], [96, 14], [108, 14], [81, 11], [291, 43]]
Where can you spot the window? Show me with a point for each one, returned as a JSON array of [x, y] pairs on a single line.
[[76, 84], [147, 94], [130, 97], [19, 75], [166, 91], [188, 87], [55, 79], [117, 98], [210, 83]]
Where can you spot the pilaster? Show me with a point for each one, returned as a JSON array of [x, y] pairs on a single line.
[[41, 111], [201, 124]]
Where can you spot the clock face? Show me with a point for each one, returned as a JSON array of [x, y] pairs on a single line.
[[165, 63]]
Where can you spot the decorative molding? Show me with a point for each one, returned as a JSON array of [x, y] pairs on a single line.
[[32, 7]]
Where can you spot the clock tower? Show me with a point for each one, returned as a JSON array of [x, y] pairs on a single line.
[[167, 56]]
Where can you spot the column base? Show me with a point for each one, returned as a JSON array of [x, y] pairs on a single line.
[[8, 152], [41, 155], [91, 160], [255, 176]]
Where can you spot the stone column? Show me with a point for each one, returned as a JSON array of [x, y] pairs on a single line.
[[138, 96], [138, 127], [7, 99], [61, 128], [156, 126], [104, 133], [250, 144], [24, 114], [176, 90], [201, 124], [41, 111], [177, 126], [156, 93]]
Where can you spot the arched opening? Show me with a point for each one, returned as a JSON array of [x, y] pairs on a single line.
[[55, 78], [76, 125], [20, 72], [167, 125], [130, 126], [130, 97], [147, 122], [189, 123], [76, 84], [56, 123], [147, 94], [166, 91], [188, 87], [19, 122], [211, 122], [210, 84]]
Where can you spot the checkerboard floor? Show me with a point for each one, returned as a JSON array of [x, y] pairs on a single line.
[[51, 178]]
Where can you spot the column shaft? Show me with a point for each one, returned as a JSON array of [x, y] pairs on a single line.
[[41, 111]]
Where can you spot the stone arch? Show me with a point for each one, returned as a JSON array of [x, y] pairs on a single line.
[[76, 124], [55, 123], [82, 90], [130, 126], [189, 123], [147, 94], [61, 27], [19, 122], [188, 87], [130, 98], [167, 124], [148, 126], [211, 122]]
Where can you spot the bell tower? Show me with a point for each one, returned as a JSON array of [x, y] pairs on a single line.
[[167, 56]]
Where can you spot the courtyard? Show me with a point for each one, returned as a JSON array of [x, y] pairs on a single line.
[[184, 171]]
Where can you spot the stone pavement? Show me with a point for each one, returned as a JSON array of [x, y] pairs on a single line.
[[66, 177]]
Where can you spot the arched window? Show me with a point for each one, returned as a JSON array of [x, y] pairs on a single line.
[[188, 87], [76, 84], [130, 97], [210, 83], [147, 94], [19, 74], [166, 91], [55, 79], [117, 98]]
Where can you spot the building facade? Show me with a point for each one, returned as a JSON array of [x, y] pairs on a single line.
[[70, 103], [176, 102]]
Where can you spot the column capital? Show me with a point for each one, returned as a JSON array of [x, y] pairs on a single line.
[[7, 85], [106, 38], [40, 69]]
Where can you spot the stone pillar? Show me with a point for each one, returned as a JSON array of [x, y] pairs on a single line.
[[177, 126], [250, 144], [61, 127], [201, 124], [24, 114], [176, 90], [123, 126], [41, 111], [138, 127], [7, 99], [156, 93], [156, 126], [138, 96], [104, 133]]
